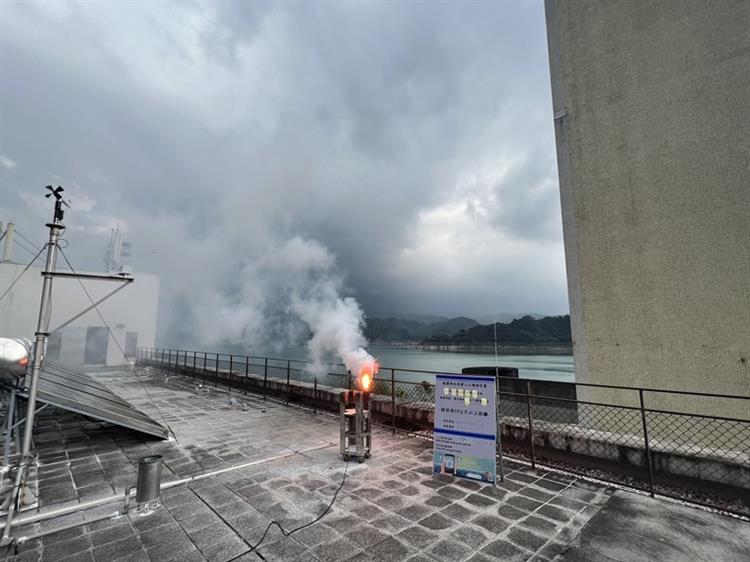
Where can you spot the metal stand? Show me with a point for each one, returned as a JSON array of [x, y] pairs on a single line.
[[11, 428], [40, 343], [356, 425]]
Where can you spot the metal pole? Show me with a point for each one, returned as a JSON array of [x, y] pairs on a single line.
[[231, 366], [247, 372], [9, 428], [265, 377], [499, 431], [195, 358], [393, 401], [531, 425], [315, 395], [645, 442], [216, 381], [287, 382], [40, 345]]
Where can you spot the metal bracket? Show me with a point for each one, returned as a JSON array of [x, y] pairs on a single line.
[[98, 276]]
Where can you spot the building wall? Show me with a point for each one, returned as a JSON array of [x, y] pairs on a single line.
[[652, 119], [131, 310]]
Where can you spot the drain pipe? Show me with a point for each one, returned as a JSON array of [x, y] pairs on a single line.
[[51, 514]]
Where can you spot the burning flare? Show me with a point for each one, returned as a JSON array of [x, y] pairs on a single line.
[[367, 372]]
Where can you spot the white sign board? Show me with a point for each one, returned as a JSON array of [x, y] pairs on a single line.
[[465, 427]]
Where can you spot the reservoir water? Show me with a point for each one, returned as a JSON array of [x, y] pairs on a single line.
[[539, 367], [546, 367]]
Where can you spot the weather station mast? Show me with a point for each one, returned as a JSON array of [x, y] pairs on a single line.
[[56, 228]]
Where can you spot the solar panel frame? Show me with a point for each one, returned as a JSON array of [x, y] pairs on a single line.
[[80, 393]]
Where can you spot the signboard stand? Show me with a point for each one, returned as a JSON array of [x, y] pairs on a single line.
[[466, 431]]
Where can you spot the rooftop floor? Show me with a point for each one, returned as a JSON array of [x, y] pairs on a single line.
[[390, 507]]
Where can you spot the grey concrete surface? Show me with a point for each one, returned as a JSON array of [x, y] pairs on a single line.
[[633, 528], [390, 508]]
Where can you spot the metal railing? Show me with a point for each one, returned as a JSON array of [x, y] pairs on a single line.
[[688, 445]]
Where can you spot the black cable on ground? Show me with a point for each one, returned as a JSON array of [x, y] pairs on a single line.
[[284, 531]]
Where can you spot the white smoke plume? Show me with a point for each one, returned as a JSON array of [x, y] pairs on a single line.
[[290, 292]]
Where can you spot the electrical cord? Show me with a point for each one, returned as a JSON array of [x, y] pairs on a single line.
[[117, 343], [305, 526]]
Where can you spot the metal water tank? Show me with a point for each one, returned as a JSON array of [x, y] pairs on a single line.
[[15, 354]]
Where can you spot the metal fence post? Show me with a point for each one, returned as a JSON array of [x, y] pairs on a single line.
[[216, 372], [169, 362], [288, 388], [349, 380], [231, 367], [205, 359], [393, 401], [247, 372], [315, 395], [645, 442], [265, 377], [195, 357], [531, 424]]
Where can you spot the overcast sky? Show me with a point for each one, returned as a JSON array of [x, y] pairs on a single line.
[[414, 140]]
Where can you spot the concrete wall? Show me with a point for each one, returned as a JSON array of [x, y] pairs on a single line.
[[652, 119], [131, 310]]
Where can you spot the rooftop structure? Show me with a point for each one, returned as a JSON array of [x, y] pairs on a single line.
[[131, 313], [651, 119]]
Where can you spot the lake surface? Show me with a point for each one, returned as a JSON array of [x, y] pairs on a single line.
[[547, 367], [540, 367]]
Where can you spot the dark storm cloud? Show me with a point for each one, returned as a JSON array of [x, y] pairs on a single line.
[[413, 140]]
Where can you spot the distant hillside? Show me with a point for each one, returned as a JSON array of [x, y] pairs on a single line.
[[551, 331], [405, 330], [450, 326], [506, 317]]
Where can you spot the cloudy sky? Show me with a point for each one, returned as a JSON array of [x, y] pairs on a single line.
[[413, 140]]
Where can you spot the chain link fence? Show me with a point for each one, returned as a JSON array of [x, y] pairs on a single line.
[[662, 442]]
